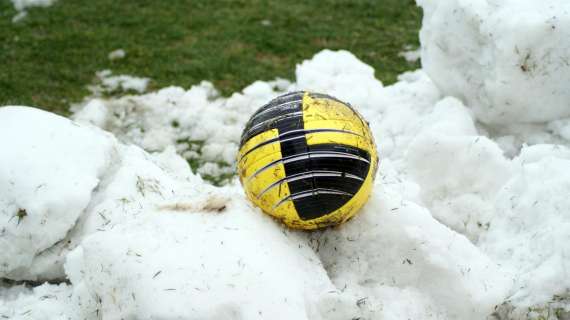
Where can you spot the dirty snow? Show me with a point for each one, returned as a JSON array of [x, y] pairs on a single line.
[[468, 218]]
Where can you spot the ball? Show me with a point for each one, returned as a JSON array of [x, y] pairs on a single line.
[[307, 159]]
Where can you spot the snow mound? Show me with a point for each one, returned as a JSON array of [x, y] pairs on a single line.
[[398, 249], [507, 67], [434, 158], [530, 234], [453, 230], [62, 181], [49, 167], [437, 160], [190, 120], [229, 263]]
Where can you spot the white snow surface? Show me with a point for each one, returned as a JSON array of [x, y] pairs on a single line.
[[117, 54], [509, 60], [50, 167], [411, 55], [108, 83], [464, 222], [46, 301], [22, 5]]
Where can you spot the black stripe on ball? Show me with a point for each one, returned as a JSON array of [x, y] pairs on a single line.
[[313, 193]]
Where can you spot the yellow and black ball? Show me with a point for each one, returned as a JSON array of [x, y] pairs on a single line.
[[307, 159]]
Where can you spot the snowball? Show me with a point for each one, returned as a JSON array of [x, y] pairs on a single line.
[[49, 168], [507, 67]]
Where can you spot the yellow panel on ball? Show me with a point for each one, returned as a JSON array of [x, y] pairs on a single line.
[[307, 159]]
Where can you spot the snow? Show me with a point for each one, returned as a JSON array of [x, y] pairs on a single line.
[[109, 83], [22, 303], [418, 255], [19, 17], [21, 5], [508, 67], [192, 123], [530, 233], [43, 192], [411, 55], [467, 220], [437, 160], [117, 54], [226, 264]]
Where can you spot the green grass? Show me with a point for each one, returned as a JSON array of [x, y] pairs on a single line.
[[48, 58]]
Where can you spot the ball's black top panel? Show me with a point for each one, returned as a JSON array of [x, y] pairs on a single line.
[[280, 113]]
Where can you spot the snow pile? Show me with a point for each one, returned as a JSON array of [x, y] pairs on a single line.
[[426, 141], [530, 233], [398, 253], [190, 120], [176, 237], [508, 60], [465, 221], [224, 264], [437, 160], [51, 200]]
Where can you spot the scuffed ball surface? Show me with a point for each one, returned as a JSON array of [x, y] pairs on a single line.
[[308, 160]]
